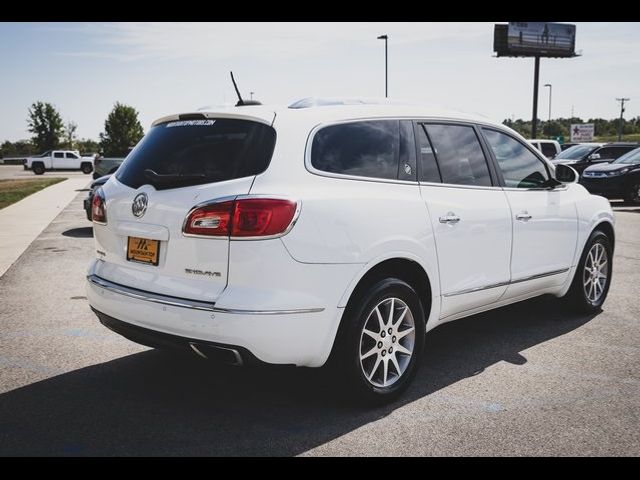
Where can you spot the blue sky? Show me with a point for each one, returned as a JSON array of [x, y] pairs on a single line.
[[84, 68]]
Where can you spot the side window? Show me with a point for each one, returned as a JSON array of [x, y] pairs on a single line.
[[366, 149], [519, 166], [58, 155], [407, 153], [71, 155], [428, 166], [459, 155], [548, 149]]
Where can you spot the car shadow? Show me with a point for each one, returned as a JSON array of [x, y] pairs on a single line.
[[81, 232], [161, 403]]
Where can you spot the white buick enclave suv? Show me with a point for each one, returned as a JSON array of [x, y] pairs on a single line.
[[327, 233]]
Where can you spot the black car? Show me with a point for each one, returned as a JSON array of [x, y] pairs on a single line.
[[586, 154], [619, 179], [564, 146], [94, 186]]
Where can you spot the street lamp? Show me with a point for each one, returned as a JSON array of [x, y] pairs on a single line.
[[550, 88], [386, 71]]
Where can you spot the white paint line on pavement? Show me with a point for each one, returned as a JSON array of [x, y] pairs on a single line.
[[22, 222]]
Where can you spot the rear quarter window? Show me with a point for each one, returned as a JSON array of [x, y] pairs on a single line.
[[195, 152], [363, 149]]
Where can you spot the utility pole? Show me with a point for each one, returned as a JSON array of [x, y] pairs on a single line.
[[534, 119], [251, 93], [621, 100]]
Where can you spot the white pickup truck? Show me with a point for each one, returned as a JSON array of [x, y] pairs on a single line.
[[59, 160]]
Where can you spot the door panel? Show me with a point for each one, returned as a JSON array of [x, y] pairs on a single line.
[[545, 229], [545, 223], [473, 252]]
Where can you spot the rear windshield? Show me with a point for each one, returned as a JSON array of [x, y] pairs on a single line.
[[193, 152]]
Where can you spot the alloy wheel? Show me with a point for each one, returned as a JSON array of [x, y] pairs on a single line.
[[595, 275], [387, 342]]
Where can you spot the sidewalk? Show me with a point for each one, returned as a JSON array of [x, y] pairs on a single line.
[[22, 222]]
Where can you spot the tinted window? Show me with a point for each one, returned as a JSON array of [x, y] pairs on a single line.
[[194, 152], [428, 166], [576, 152], [548, 149], [367, 149], [71, 155], [520, 167], [631, 158], [459, 155], [58, 155], [407, 153], [613, 152]]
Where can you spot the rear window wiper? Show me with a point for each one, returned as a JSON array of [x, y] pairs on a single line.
[[171, 179]]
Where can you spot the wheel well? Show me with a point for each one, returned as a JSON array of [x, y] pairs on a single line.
[[608, 230], [401, 268]]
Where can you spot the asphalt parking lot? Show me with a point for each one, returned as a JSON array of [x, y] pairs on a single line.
[[18, 172], [522, 380]]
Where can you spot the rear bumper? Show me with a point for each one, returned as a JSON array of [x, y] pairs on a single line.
[[229, 354], [301, 337]]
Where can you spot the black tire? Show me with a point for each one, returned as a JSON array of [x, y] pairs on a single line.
[[632, 196], [347, 363], [86, 168], [38, 168], [583, 298]]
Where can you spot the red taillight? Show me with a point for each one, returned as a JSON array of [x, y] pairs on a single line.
[[245, 217], [211, 220], [99, 207]]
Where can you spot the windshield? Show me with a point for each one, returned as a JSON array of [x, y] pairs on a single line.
[[194, 152], [576, 152], [630, 158]]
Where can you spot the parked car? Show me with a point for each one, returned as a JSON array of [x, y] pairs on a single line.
[[580, 159], [89, 199], [59, 160], [549, 148], [106, 166], [618, 179], [564, 146], [336, 235]]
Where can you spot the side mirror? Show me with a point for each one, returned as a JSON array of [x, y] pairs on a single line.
[[566, 174], [594, 156]]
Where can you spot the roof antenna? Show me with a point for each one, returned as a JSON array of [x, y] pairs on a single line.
[[241, 102]]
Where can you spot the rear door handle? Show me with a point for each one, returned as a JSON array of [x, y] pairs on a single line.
[[449, 218], [524, 216]]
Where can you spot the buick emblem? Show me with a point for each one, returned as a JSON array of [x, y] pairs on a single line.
[[139, 205]]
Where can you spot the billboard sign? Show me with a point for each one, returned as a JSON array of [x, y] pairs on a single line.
[[582, 132], [531, 39]]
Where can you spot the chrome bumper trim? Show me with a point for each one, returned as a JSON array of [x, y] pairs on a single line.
[[184, 302]]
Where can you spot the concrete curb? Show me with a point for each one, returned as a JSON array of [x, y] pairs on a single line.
[[22, 222]]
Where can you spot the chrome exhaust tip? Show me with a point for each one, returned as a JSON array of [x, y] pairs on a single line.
[[228, 356]]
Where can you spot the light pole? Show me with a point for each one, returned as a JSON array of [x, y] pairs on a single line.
[[550, 89], [386, 65]]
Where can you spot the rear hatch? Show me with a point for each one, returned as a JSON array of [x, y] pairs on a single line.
[[179, 164]]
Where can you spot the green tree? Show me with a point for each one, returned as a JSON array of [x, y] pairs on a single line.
[[122, 130], [70, 135], [86, 145], [46, 125]]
